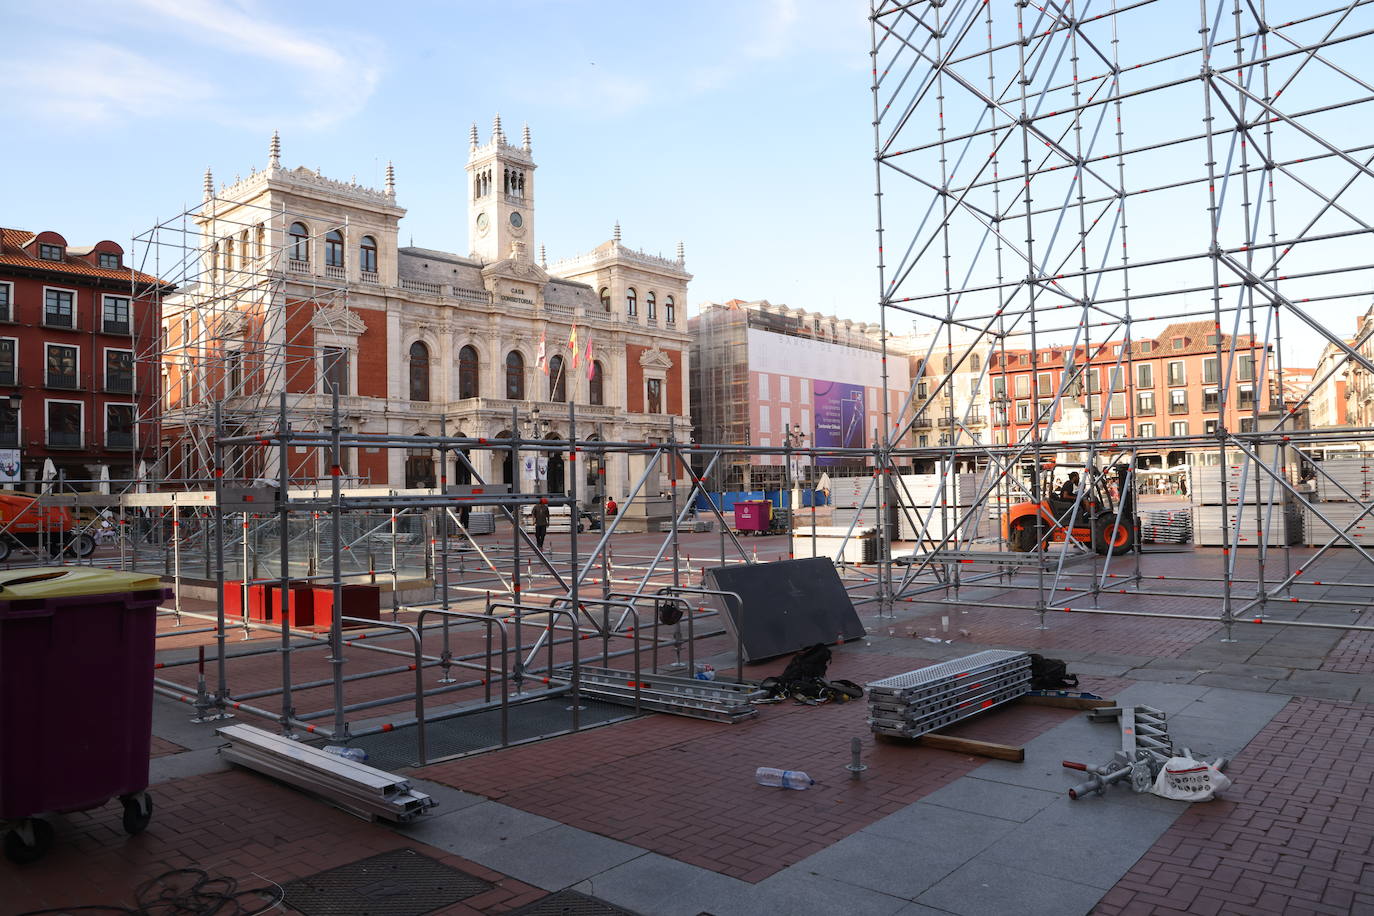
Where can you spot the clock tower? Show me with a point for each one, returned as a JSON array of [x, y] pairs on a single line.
[[500, 197]]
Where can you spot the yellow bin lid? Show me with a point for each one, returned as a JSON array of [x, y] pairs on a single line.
[[71, 582]]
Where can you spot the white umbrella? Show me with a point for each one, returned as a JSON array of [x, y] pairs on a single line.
[[49, 474], [103, 482], [142, 486]]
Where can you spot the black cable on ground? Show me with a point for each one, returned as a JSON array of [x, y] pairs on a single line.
[[186, 892]]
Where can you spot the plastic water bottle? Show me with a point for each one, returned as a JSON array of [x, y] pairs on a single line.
[[783, 779], [356, 754]]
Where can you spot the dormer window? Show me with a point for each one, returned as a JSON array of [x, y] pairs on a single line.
[[110, 261], [1178, 343], [50, 252]]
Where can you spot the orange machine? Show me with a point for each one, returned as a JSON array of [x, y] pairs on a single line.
[[1094, 520], [26, 524]]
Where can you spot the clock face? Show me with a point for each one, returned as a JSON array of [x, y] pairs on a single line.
[[516, 219], [481, 222]]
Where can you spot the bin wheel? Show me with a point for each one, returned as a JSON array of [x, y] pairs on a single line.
[[83, 545], [138, 811], [19, 851]]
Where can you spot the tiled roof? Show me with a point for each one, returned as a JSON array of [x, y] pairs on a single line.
[[12, 254]]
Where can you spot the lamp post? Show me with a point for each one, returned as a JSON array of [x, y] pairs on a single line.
[[539, 428]]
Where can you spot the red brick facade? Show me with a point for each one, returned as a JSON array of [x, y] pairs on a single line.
[[78, 356]]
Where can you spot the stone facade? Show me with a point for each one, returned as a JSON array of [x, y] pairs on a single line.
[[422, 341]]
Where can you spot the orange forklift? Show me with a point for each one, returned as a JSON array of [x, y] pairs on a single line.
[[1052, 520], [23, 523]]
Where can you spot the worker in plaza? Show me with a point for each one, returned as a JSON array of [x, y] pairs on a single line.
[[540, 516], [1069, 490], [611, 507]]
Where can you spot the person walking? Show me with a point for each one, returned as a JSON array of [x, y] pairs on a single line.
[[540, 515], [611, 507]]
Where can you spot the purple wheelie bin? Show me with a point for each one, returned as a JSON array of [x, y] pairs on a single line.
[[76, 697], [752, 516]]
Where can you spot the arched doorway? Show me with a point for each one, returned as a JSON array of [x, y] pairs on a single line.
[[507, 467], [592, 463], [555, 478], [419, 468]]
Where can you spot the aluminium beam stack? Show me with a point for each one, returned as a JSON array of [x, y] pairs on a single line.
[[356, 787], [910, 705], [719, 701]]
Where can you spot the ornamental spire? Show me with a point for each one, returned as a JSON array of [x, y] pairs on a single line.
[[274, 152], [209, 184], [472, 137], [680, 254], [543, 261], [390, 179], [497, 135], [615, 235], [525, 139]]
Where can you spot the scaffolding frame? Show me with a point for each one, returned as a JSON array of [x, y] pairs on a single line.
[[1003, 177]]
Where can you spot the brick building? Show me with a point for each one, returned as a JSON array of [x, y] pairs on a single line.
[[77, 359], [1166, 386]]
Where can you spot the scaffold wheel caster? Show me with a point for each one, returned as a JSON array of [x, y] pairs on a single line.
[[29, 842], [138, 811]]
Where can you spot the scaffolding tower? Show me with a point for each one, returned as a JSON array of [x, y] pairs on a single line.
[[1070, 177]]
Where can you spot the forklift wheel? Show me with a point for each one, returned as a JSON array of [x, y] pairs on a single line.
[[83, 545], [20, 852], [4, 550]]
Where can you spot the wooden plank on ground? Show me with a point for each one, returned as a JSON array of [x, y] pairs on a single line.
[[959, 746]]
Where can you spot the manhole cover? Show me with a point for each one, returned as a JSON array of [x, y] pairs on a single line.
[[571, 903], [398, 883]]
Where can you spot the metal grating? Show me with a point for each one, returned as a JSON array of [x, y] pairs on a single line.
[[398, 883], [571, 903], [481, 731], [966, 665]]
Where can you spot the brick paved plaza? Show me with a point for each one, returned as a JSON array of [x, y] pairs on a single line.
[[660, 814]]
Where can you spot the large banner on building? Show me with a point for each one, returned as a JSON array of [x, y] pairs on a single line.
[[840, 416]]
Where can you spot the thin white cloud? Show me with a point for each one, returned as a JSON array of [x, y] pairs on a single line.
[[218, 74], [333, 82], [96, 82]]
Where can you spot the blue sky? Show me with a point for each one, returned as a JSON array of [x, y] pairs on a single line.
[[740, 128]]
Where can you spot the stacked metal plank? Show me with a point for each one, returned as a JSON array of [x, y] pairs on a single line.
[[719, 701], [1166, 526], [1342, 490], [356, 787], [910, 705], [1249, 513]]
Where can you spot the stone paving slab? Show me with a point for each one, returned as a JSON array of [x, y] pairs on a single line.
[[982, 887], [558, 857], [652, 883]]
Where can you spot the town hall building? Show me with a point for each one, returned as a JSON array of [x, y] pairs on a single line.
[[305, 288]]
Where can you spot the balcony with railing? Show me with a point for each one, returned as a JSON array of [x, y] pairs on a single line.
[[1178, 407], [370, 277], [421, 286], [119, 382], [67, 380], [64, 438], [297, 267], [335, 272]]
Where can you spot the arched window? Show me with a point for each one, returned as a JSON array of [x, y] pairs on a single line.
[[367, 254], [651, 306], [515, 376], [558, 380], [670, 310], [214, 258], [300, 243], [596, 388], [229, 253], [631, 302], [333, 248], [948, 362], [244, 251], [419, 371], [977, 363], [606, 298], [467, 372]]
